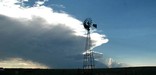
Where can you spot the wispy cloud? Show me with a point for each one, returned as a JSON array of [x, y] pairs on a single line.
[[58, 5], [112, 63]]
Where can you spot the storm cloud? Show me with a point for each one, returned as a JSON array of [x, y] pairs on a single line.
[[34, 42], [40, 35]]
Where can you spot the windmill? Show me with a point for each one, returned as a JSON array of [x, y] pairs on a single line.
[[88, 61]]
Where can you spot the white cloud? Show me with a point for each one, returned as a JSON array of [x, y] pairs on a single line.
[[20, 63], [98, 39], [40, 2], [39, 34], [112, 63]]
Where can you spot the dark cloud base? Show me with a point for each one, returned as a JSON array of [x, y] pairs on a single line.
[[55, 46]]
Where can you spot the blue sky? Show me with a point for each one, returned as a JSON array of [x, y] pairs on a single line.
[[129, 25]]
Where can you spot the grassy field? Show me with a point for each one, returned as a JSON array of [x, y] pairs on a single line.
[[100, 71]]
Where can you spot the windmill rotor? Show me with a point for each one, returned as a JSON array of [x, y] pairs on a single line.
[[88, 24]]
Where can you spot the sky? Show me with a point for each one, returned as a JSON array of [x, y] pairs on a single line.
[[50, 34], [129, 26]]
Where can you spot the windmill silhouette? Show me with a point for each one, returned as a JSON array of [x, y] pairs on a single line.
[[88, 61]]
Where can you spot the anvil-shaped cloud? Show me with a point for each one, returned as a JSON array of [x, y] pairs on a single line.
[[39, 34]]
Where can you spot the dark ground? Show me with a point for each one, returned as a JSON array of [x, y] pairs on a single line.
[[101, 71]]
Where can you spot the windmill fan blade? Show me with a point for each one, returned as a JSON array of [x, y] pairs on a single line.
[[87, 24], [95, 25]]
